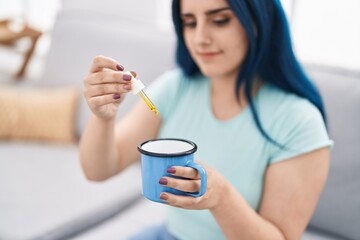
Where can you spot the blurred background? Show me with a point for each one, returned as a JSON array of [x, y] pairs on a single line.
[[46, 48], [324, 32]]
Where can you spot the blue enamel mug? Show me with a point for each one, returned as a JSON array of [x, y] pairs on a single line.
[[157, 155]]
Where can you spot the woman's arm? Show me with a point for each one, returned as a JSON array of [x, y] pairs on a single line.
[[291, 191], [106, 148]]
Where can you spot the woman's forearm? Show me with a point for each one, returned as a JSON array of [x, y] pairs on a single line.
[[239, 221], [97, 149]]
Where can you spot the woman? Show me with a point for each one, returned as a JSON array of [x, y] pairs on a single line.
[[240, 94]]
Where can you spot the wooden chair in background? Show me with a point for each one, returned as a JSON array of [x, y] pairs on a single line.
[[9, 37]]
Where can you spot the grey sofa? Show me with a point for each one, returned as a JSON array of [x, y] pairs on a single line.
[[44, 194]]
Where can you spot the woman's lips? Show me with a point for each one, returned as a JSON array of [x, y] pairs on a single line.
[[208, 55]]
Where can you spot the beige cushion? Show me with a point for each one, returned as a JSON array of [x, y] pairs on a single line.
[[38, 114]]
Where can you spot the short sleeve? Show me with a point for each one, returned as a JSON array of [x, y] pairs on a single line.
[[301, 131], [164, 91]]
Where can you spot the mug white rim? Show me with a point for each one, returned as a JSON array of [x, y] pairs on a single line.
[[177, 154]]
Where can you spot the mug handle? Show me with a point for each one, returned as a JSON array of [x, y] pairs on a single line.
[[203, 178]]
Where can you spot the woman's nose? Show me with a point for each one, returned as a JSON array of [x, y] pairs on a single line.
[[202, 35]]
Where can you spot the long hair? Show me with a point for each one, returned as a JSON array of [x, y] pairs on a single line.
[[270, 54]]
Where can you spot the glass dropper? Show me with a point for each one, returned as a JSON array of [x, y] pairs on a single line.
[[137, 88]]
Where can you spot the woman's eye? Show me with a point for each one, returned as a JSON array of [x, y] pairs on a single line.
[[221, 22], [189, 24]]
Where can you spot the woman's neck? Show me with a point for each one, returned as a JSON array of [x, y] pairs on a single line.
[[224, 87], [224, 102]]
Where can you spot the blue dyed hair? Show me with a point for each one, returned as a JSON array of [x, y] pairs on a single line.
[[270, 54]]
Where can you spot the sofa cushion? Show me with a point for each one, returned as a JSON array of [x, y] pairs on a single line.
[[38, 114], [44, 194], [338, 210], [141, 215], [312, 234]]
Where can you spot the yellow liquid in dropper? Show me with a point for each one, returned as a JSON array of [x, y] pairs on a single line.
[[148, 102], [145, 98]]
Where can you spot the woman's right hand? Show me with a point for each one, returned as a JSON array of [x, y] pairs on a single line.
[[105, 87]]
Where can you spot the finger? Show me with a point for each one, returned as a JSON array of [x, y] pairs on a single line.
[[101, 62], [108, 77], [184, 185], [105, 89], [103, 100], [179, 200], [186, 172]]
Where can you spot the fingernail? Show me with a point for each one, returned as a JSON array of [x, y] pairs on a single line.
[[133, 73], [119, 67], [163, 181], [164, 196], [171, 170], [127, 86], [116, 96], [126, 77]]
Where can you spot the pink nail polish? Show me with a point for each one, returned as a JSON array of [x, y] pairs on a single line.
[[171, 170], [127, 87], [119, 67], [116, 96], [164, 196], [163, 181], [126, 77]]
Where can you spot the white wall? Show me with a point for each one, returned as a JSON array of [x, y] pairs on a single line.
[[327, 32]]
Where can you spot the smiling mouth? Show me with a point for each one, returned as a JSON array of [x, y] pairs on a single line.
[[208, 55]]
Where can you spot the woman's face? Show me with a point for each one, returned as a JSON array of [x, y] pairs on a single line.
[[214, 37]]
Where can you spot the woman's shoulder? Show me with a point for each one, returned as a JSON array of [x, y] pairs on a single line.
[[279, 105], [177, 75], [293, 122], [280, 99], [169, 87], [167, 81], [174, 73], [175, 80]]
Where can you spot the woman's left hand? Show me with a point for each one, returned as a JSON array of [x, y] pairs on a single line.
[[216, 187]]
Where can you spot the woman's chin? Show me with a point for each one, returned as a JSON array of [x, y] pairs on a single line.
[[209, 71]]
